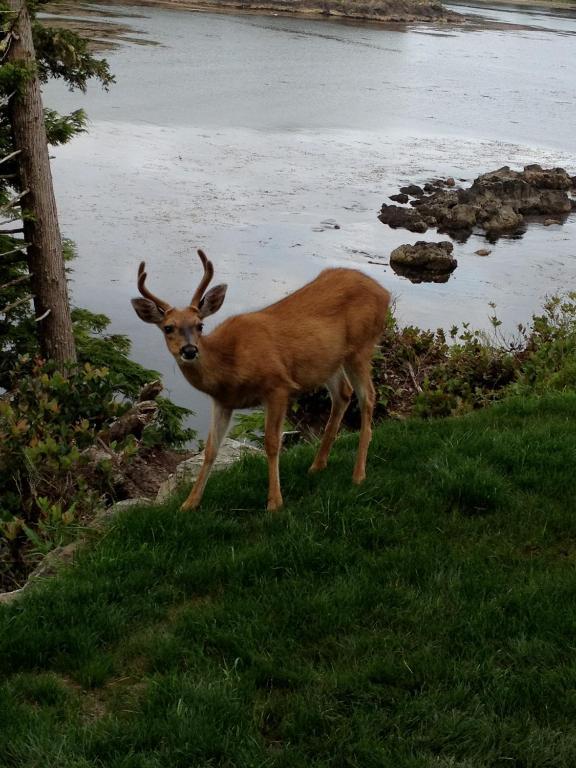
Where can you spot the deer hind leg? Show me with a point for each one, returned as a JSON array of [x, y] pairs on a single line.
[[220, 420], [275, 414], [359, 370], [340, 392]]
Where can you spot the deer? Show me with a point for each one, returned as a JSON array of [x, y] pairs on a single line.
[[322, 334]]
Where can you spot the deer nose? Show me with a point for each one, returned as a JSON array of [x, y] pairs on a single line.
[[188, 352]]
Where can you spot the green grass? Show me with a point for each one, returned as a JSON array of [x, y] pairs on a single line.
[[424, 619]]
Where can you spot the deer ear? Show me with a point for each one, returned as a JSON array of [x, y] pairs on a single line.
[[148, 311], [212, 301]]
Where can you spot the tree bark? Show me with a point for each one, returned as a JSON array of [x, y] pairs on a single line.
[[41, 229]]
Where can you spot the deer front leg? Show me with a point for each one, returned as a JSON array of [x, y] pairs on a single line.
[[275, 414], [220, 420]]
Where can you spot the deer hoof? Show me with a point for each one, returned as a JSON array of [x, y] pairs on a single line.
[[189, 505], [317, 466]]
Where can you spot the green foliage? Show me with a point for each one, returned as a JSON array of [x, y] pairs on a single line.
[[249, 426], [167, 429], [109, 350], [424, 619], [61, 128], [13, 77], [56, 461], [63, 54], [424, 373], [550, 348], [46, 421]]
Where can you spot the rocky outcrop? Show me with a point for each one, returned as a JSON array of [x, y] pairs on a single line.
[[497, 203], [402, 218], [424, 262]]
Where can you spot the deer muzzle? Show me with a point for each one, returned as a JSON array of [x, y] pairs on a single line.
[[189, 352]]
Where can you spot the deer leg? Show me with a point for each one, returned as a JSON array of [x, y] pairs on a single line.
[[220, 420], [340, 393], [275, 414], [359, 372]]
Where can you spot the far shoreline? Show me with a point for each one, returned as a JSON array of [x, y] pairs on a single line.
[[566, 5]]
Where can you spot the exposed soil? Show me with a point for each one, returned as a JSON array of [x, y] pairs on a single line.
[[148, 470]]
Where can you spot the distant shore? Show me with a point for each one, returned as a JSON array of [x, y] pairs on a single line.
[[567, 5], [381, 11]]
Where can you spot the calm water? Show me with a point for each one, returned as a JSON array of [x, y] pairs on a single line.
[[245, 134]]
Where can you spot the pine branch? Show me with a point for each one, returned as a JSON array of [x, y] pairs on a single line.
[[19, 302]]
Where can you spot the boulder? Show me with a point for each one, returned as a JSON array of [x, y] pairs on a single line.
[[401, 198], [461, 216], [505, 220], [413, 190], [424, 261], [406, 218], [187, 471]]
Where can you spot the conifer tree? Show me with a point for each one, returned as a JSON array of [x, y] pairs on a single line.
[[31, 54]]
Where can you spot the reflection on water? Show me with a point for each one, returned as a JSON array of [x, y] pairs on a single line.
[[272, 143]]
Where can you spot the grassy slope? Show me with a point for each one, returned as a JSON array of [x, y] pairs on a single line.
[[427, 618]]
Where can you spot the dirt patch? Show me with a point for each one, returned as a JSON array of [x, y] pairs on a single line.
[[146, 472]]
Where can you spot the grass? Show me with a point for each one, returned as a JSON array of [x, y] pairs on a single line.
[[426, 619]]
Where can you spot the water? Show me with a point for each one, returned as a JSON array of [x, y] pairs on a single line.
[[243, 134]]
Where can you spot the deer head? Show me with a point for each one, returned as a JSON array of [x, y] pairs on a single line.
[[182, 328]]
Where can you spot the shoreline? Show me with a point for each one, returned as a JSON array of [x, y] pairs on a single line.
[[396, 11], [566, 5]]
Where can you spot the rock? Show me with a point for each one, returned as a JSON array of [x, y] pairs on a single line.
[[506, 220], [461, 216], [553, 178], [497, 201], [424, 261], [48, 567], [9, 597], [512, 188], [483, 252], [187, 471], [550, 222], [406, 218], [106, 514], [402, 198], [413, 190]]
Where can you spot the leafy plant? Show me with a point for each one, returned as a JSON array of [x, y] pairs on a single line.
[[56, 457]]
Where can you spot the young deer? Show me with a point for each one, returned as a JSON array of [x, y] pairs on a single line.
[[322, 334]]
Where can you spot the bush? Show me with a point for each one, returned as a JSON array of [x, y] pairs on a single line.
[[424, 373], [57, 459]]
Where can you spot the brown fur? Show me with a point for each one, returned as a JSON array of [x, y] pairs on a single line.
[[322, 334]]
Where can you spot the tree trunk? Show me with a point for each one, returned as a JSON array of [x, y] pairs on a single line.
[[41, 230]]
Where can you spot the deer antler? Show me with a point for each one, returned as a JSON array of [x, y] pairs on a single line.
[[145, 292], [208, 275]]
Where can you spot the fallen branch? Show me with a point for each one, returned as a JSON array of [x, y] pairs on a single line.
[[132, 422]]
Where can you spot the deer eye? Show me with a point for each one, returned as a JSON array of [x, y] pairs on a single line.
[[168, 329], [200, 327]]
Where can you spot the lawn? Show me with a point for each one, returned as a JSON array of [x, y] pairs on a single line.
[[426, 619]]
